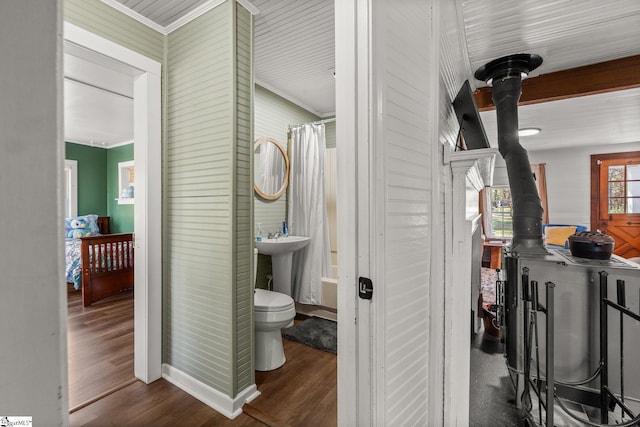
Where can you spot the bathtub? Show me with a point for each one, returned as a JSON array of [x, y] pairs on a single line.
[[328, 307]]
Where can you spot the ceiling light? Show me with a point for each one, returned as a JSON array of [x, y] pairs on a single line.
[[528, 131]]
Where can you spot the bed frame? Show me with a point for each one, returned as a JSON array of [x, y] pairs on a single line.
[[107, 264]]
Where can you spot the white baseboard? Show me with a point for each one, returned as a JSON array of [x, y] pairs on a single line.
[[208, 395]]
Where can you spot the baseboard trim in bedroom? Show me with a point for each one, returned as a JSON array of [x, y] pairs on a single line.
[[227, 406], [103, 395]]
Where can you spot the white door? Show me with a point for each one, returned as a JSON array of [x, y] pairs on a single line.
[[387, 149]]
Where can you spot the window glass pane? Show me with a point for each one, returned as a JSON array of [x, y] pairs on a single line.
[[616, 173], [616, 189], [633, 172], [616, 205], [633, 205], [501, 221], [633, 189]]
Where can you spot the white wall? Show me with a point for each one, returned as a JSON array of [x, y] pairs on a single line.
[[33, 379], [453, 71], [569, 180]]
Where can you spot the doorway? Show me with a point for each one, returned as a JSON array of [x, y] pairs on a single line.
[[147, 211], [615, 200]]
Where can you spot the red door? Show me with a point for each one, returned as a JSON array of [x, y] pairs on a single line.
[[615, 204]]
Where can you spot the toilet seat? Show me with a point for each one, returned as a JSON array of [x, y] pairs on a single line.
[[269, 301]]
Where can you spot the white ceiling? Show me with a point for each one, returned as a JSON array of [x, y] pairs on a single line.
[[294, 56], [566, 34], [294, 52], [162, 12], [98, 99]]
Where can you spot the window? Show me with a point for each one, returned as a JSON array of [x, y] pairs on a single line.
[[70, 188], [501, 221], [126, 183], [624, 189]]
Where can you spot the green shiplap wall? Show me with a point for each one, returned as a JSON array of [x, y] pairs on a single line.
[[92, 177], [207, 314], [330, 134], [121, 215], [107, 22], [243, 191], [273, 115], [207, 184]]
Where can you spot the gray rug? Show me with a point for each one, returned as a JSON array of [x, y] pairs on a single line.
[[315, 332]]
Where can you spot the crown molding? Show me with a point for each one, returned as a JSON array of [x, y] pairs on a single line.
[[135, 15], [190, 16], [286, 96], [249, 6], [185, 19]]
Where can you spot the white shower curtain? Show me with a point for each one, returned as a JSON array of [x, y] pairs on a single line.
[[308, 212]]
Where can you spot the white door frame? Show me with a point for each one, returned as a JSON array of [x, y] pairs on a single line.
[[148, 205], [355, 363]]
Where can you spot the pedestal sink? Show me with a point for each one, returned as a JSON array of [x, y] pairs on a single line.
[[281, 251]]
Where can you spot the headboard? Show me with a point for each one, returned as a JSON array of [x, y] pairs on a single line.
[[103, 224]]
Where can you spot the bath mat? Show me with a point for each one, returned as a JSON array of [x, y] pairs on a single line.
[[315, 332]]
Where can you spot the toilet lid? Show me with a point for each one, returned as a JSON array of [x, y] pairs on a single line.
[[264, 300]]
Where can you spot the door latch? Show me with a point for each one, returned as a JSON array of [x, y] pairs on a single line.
[[365, 288]]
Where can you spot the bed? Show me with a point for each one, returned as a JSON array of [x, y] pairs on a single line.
[[100, 264]]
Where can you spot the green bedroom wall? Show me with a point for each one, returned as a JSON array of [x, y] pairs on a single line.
[[98, 181], [121, 215], [92, 177]]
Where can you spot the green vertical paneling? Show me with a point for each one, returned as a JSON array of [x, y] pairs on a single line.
[[92, 177], [243, 207], [107, 22], [273, 115], [121, 215]]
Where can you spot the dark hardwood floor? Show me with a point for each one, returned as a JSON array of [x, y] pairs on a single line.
[[100, 345], [303, 392]]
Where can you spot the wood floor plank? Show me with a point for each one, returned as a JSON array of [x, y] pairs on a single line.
[[301, 393], [99, 345], [157, 404]]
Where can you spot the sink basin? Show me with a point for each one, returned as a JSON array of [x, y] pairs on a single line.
[[282, 245], [281, 251]]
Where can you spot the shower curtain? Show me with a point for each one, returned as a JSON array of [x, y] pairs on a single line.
[[308, 212]]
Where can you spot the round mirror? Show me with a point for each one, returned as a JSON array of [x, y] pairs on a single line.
[[271, 169]]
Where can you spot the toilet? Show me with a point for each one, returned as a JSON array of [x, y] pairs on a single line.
[[272, 312]]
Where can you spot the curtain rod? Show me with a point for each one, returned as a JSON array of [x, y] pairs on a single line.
[[317, 122]]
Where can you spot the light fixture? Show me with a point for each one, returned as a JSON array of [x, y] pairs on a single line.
[[528, 131]]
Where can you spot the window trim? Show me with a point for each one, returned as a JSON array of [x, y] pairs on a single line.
[[492, 235], [71, 188]]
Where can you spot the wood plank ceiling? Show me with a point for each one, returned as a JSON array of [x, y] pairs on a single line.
[[568, 36], [294, 57], [294, 45], [162, 12]]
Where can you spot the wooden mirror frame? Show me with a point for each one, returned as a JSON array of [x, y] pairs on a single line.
[[282, 189]]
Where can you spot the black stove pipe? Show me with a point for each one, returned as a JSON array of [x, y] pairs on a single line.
[[505, 75]]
